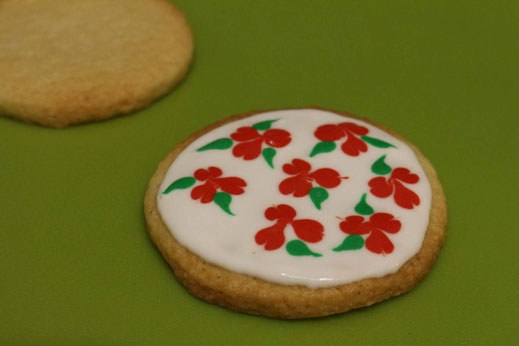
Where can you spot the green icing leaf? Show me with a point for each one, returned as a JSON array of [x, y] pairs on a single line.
[[182, 183], [268, 155], [376, 142], [223, 200], [362, 207], [318, 195], [351, 242], [264, 125], [380, 167], [323, 147], [298, 248], [219, 144]]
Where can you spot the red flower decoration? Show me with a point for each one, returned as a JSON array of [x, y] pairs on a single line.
[[404, 197], [353, 145], [378, 223], [301, 183], [273, 237], [213, 183], [252, 141]]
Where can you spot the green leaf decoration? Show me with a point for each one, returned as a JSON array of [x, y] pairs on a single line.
[[264, 125], [223, 200], [318, 195], [182, 183], [323, 147], [380, 167], [362, 207], [377, 142], [351, 242], [219, 144], [268, 155], [299, 248]]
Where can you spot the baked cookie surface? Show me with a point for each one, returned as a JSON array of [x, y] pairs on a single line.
[[296, 213], [66, 62]]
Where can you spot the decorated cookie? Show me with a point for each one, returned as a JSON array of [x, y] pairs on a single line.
[[65, 62], [296, 213]]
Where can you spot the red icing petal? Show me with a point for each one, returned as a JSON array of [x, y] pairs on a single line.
[[405, 197], [202, 174], [297, 166], [385, 222], [380, 187], [354, 225], [286, 211], [308, 230], [203, 192], [356, 129], [273, 237], [280, 211], [245, 134], [326, 177], [277, 138], [354, 146], [272, 213], [404, 175], [232, 185], [298, 186], [378, 242], [248, 150], [215, 172], [329, 133]]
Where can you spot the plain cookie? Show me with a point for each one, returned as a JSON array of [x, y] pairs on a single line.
[[65, 62]]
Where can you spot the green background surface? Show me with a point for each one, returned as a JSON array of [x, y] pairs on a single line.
[[76, 263]]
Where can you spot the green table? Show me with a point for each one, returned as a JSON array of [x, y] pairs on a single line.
[[76, 263]]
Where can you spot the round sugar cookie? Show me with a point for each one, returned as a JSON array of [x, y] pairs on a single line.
[[296, 213], [65, 62]]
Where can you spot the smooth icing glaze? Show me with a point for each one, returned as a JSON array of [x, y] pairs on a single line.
[[363, 215]]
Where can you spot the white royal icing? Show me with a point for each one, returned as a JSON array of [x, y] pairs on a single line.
[[229, 241]]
